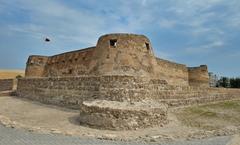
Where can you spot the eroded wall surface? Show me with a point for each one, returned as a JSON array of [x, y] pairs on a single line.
[[70, 64], [36, 66]]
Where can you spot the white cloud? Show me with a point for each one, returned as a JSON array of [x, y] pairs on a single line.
[[81, 25], [165, 23], [205, 48], [59, 21]]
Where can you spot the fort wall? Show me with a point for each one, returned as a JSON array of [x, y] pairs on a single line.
[[6, 84], [115, 54], [173, 73], [121, 54], [124, 54], [70, 64], [36, 66], [72, 91], [198, 76]]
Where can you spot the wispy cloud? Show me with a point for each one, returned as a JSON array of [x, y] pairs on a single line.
[[206, 48], [183, 28], [165, 23]]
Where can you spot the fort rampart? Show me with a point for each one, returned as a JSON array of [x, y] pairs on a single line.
[[72, 91]]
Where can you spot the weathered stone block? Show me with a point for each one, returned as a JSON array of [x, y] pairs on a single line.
[[115, 115]]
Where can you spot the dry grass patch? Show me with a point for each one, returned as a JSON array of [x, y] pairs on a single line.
[[211, 116]]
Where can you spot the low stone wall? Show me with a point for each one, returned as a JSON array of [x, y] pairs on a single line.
[[68, 91], [128, 88], [197, 95], [117, 102], [115, 115], [6, 84], [72, 91]]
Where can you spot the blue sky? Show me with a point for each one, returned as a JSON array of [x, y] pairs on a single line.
[[191, 32]]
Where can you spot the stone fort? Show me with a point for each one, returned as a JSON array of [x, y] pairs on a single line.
[[117, 54], [118, 84]]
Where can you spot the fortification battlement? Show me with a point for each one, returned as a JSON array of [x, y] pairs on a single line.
[[116, 54]]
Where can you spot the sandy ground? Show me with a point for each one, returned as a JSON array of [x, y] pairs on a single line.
[[13, 136], [10, 74], [235, 140], [33, 116]]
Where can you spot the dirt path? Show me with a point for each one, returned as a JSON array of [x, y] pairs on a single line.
[[12, 136], [20, 113], [235, 140]]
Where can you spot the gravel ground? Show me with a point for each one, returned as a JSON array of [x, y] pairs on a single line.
[[12, 136]]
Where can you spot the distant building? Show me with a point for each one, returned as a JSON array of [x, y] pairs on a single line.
[[213, 79]]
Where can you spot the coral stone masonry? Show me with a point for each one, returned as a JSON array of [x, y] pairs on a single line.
[[116, 115]]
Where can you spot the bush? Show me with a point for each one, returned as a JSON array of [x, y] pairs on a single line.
[[18, 77]]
